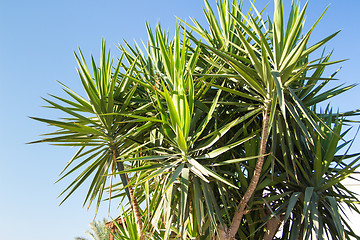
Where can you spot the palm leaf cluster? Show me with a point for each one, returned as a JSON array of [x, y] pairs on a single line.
[[98, 231], [221, 131]]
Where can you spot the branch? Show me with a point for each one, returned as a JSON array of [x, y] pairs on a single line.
[[232, 230]]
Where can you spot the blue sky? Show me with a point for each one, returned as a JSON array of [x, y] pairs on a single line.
[[36, 42]]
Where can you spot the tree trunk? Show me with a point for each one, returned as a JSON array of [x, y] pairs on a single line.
[[137, 214], [272, 226], [229, 234], [133, 201]]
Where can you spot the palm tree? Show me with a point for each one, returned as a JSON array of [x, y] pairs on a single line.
[[97, 126], [217, 137], [269, 63], [98, 231]]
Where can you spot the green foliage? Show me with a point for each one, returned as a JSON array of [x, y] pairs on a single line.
[[98, 231], [182, 123]]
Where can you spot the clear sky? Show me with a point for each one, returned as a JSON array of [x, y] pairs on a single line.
[[37, 38]]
